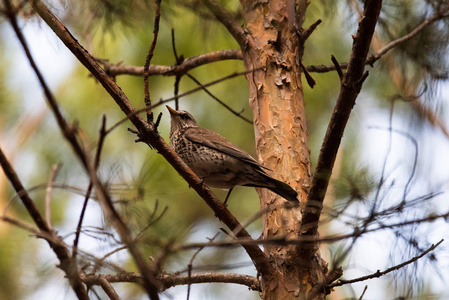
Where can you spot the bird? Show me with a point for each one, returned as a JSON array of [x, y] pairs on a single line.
[[219, 162]]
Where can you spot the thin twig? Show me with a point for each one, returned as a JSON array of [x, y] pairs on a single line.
[[178, 76], [51, 179], [21, 224], [372, 58], [99, 262], [308, 31], [89, 188], [151, 283], [189, 266], [238, 114], [439, 14], [391, 269], [363, 293], [152, 222], [337, 67], [157, 18], [164, 101]]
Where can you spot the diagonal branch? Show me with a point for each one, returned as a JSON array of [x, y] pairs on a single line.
[[439, 14], [151, 136], [350, 88], [391, 269]]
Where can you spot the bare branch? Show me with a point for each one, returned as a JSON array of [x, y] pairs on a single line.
[[89, 188], [238, 114], [177, 69], [363, 293], [190, 265], [337, 67], [394, 268], [171, 280], [350, 88], [175, 280], [308, 31], [20, 224], [157, 18], [108, 289], [439, 14], [178, 61]]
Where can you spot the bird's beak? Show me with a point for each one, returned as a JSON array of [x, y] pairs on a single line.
[[172, 111]]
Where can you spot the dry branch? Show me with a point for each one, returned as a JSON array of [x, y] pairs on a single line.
[[391, 269], [148, 59], [171, 280], [177, 69]]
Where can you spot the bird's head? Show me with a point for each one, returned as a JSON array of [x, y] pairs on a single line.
[[180, 119]]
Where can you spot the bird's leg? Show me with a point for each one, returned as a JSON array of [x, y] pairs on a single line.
[[227, 197]]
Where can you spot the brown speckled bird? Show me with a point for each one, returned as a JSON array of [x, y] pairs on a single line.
[[220, 163]]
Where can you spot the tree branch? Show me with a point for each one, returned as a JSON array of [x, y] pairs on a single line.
[[380, 274], [171, 280], [439, 14], [148, 59], [174, 70], [350, 88], [238, 114], [150, 136], [89, 188], [108, 289]]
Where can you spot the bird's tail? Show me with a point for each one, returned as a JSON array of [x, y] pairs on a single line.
[[283, 190]]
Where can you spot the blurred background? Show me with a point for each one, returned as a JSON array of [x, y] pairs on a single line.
[[406, 92]]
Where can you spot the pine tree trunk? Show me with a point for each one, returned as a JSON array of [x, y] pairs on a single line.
[[276, 97]]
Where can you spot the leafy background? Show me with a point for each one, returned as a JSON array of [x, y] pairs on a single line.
[[139, 178]]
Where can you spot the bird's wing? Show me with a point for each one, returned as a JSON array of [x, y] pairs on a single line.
[[215, 141]]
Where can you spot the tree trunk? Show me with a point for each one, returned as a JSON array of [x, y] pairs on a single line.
[[276, 97]]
